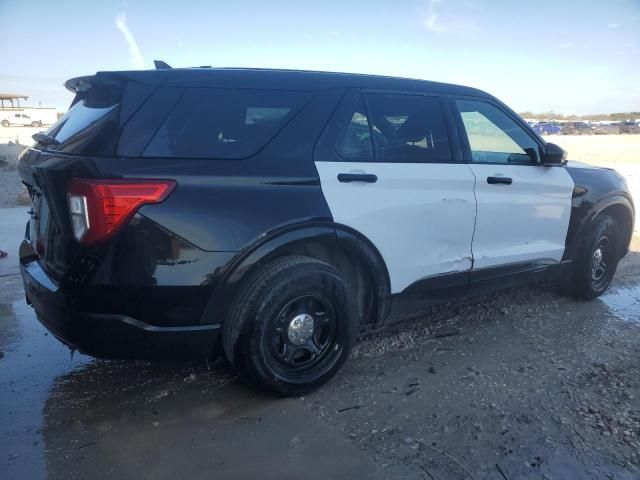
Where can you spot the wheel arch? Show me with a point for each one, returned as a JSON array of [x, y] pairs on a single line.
[[340, 246], [625, 216], [618, 206]]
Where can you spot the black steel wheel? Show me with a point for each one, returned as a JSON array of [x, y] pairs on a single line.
[[597, 259], [600, 261], [292, 326], [303, 336]]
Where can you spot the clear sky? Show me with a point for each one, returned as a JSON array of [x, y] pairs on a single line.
[[568, 56]]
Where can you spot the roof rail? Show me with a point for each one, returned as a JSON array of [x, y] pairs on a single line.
[[160, 65]]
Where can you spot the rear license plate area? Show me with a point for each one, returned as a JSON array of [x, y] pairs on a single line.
[[38, 221]]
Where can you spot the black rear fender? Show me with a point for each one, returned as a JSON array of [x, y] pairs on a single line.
[[352, 254]]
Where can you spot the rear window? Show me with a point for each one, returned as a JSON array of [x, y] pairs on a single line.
[[91, 125], [80, 118], [224, 123]]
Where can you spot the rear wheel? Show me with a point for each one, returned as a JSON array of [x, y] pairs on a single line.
[[5, 123], [35, 124], [291, 327], [597, 259]]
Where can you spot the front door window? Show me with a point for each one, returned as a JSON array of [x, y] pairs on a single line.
[[494, 137]]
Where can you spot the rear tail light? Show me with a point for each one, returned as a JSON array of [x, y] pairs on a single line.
[[99, 208]]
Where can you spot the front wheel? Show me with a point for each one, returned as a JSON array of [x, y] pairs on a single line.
[[597, 259], [292, 326], [5, 123]]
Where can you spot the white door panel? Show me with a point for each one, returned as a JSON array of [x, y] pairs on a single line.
[[420, 216], [527, 220]]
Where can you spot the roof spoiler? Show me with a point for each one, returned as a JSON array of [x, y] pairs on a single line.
[[82, 84], [79, 84], [160, 65]]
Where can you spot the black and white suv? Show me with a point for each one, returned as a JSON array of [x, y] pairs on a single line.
[[275, 214]]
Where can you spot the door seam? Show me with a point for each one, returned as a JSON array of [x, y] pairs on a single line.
[[475, 218]]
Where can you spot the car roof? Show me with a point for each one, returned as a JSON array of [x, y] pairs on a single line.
[[286, 79]]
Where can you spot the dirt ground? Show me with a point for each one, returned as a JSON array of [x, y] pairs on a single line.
[[521, 384], [600, 149]]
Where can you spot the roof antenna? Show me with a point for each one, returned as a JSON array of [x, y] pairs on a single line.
[[160, 65]]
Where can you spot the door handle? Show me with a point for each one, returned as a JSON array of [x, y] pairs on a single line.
[[497, 180], [357, 177]]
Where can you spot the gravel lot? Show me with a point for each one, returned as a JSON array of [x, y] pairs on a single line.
[[520, 384], [600, 149], [523, 381], [10, 187]]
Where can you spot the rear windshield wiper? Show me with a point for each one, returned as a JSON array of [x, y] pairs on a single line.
[[45, 139]]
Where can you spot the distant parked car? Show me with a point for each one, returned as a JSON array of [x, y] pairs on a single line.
[[630, 127], [606, 129], [547, 128], [19, 119], [576, 128]]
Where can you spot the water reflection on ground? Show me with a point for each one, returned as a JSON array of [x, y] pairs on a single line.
[[31, 362], [624, 302]]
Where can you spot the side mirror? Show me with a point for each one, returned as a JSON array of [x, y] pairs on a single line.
[[554, 155]]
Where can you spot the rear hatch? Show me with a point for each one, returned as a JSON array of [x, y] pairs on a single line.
[[69, 149]]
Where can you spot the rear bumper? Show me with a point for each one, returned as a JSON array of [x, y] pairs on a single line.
[[111, 335]]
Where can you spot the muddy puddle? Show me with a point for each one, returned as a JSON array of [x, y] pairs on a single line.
[[624, 302]]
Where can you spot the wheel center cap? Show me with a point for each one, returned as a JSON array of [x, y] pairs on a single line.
[[300, 329], [597, 258]]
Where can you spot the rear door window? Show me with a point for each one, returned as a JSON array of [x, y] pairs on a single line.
[[355, 143], [408, 128], [224, 123]]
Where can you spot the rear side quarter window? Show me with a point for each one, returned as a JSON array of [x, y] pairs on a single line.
[[224, 123]]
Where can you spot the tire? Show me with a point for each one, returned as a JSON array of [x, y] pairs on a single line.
[[5, 123], [286, 302], [35, 124], [593, 271]]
